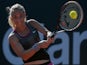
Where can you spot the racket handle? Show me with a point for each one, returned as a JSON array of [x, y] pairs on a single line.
[[56, 32]]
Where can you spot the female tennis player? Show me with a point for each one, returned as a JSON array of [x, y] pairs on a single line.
[[24, 39]]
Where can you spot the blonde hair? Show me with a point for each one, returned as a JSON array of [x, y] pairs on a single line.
[[11, 10], [11, 23]]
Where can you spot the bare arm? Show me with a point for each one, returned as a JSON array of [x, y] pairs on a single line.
[[26, 54], [38, 26], [19, 50], [43, 30]]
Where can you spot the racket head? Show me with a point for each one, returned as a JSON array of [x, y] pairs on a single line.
[[66, 22]]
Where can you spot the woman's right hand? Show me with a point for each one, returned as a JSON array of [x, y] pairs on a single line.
[[45, 43]]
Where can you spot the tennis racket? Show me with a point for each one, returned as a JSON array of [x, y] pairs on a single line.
[[70, 18]]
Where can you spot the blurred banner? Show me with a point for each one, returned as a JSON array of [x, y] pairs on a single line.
[[69, 47]]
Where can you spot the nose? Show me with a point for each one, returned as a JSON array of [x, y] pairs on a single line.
[[18, 19]]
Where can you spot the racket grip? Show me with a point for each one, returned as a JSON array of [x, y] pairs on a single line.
[[53, 35], [56, 32]]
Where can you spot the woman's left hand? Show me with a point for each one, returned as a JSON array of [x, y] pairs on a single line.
[[50, 40]]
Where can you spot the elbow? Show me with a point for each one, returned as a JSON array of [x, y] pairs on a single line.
[[24, 56]]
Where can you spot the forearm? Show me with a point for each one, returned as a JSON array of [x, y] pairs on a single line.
[[39, 26], [30, 52]]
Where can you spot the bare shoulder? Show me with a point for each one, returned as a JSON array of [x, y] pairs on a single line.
[[12, 37], [33, 22]]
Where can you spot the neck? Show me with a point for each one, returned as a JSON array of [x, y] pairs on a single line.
[[22, 30]]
